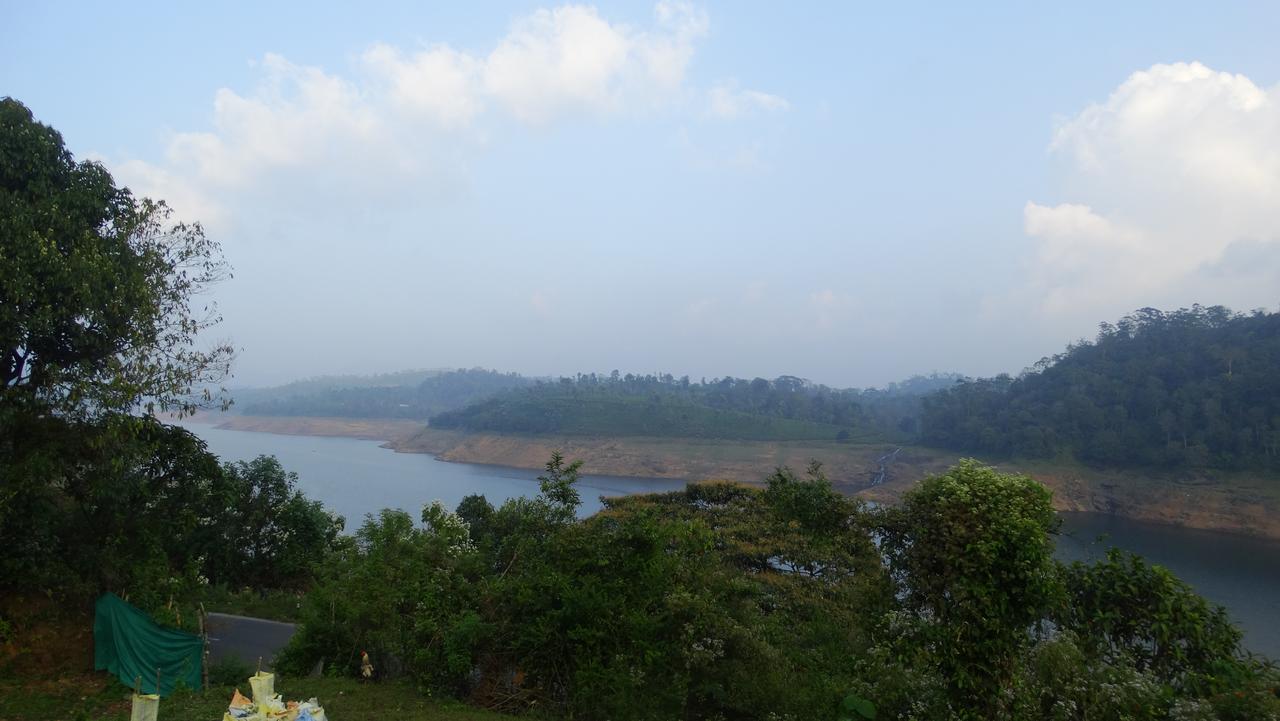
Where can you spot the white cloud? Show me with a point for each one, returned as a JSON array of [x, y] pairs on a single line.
[[668, 53], [180, 193], [569, 58], [1179, 165], [439, 83], [299, 121], [728, 102], [405, 114]]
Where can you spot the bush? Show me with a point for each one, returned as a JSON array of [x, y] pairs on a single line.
[[230, 671], [1123, 607], [973, 557], [725, 601]]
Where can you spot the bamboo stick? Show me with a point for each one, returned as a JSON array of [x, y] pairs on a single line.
[[204, 650]]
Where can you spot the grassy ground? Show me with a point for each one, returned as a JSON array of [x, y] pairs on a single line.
[[46, 650], [96, 697], [273, 605]]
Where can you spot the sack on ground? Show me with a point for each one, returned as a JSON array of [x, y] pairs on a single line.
[[146, 707]]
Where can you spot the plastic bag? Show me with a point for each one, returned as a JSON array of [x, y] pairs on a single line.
[[238, 700], [264, 687], [145, 707], [310, 711], [268, 706]]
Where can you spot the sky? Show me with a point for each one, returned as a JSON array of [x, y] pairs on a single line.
[[847, 192]]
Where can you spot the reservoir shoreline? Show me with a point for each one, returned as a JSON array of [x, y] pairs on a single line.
[[1239, 505], [356, 478]]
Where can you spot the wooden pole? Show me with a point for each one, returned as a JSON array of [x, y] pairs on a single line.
[[204, 650]]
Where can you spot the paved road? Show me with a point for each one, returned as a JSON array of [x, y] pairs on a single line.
[[247, 638]]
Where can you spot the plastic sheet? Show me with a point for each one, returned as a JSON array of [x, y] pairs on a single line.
[[127, 643]]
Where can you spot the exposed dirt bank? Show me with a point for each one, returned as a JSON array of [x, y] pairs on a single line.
[[848, 465], [370, 429], [1232, 503], [1236, 504], [1221, 502]]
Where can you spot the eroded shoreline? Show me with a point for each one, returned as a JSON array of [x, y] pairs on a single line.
[[1234, 504]]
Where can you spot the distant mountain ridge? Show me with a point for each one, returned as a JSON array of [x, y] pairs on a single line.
[[787, 407], [1194, 388]]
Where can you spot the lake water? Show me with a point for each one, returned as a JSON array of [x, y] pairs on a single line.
[[1238, 572], [355, 477]]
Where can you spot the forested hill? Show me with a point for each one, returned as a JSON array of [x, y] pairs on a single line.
[[1196, 387], [415, 395], [786, 408]]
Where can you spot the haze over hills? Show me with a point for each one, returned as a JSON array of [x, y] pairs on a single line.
[[1165, 416], [414, 395], [594, 404], [319, 385], [1193, 387], [765, 216]]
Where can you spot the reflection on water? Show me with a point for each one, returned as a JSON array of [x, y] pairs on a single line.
[[355, 477]]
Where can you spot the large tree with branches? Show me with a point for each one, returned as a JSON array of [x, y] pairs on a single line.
[[98, 288]]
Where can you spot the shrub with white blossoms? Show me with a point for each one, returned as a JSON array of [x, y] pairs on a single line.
[[447, 527]]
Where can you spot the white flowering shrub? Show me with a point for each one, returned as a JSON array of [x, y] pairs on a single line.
[[447, 528]]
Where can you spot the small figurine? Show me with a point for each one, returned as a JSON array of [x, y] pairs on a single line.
[[366, 667]]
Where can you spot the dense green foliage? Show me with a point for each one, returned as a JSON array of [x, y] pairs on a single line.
[[596, 414], [132, 505], [1196, 387], [269, 534], [786, 408], [1123, 608], [96, 321], [94, 306], [973, 554], [687, 604], [437, 393], [893, 412], [722, 601]]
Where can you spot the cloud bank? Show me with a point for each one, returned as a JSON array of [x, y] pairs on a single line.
[[405, 117], [1169, 181]]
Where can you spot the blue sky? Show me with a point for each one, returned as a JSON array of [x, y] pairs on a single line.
[[847, 192]]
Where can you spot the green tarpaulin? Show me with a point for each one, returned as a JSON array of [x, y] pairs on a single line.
[[127, 643]]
